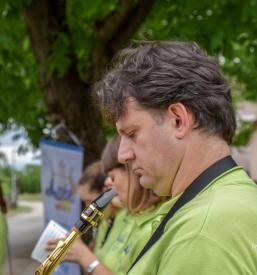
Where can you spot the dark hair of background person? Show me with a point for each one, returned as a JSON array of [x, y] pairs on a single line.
[[94, 177], [159, 73], [109, 157]]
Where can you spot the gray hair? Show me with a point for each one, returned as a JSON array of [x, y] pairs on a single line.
[[159, 73]]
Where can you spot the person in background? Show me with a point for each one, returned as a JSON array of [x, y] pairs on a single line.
[[173, 110], [91, 185], [138, 212], [137, 219]]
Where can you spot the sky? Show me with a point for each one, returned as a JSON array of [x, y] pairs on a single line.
[[10, 147]]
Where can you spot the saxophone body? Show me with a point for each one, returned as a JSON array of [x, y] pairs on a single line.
[[89, 217]]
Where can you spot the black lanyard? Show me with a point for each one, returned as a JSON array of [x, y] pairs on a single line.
[[194, 188]]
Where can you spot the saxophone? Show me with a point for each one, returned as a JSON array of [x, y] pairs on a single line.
[[89, 217]]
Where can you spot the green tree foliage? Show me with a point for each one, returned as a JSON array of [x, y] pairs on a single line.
[[225, 28], [243, 134], [20, 97], [29, 179], [89, 34]]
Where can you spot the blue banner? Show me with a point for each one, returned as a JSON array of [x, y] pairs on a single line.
[[62, 166]]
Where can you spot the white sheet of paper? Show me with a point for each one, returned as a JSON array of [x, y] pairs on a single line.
[[53, 230]]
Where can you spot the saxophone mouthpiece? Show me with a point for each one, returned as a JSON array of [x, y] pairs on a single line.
[[105, 198]]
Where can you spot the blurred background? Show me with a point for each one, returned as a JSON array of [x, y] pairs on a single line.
[[51, 54]]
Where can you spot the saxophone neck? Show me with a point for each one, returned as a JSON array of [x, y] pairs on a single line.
[[48, 266]]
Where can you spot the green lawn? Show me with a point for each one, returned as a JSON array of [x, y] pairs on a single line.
[[24, 209], [30, 197], [18, 210]]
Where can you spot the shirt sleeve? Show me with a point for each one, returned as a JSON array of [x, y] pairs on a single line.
[[201, 256]]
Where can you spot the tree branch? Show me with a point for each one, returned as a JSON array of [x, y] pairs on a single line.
[[130, 25], [114, 32], [105, 29]]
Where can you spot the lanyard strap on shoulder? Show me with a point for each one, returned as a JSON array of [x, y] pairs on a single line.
[[194, 188]]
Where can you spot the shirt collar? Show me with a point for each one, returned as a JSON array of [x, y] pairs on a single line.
[[155, 212], [161, 209]]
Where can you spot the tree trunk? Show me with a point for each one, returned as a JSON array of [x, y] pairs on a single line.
[[69, 99]]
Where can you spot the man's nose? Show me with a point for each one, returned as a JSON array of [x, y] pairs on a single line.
[[125, 152]]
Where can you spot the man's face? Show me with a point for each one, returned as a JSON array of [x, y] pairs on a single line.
[[149, 143]]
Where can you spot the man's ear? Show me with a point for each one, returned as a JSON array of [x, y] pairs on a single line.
[[181, 119]]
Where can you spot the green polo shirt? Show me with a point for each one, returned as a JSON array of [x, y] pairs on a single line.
[[215, 233], [3, 240], [102, 252], [131, 232]]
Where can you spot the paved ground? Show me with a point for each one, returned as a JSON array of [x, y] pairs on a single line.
[[24, 230]]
